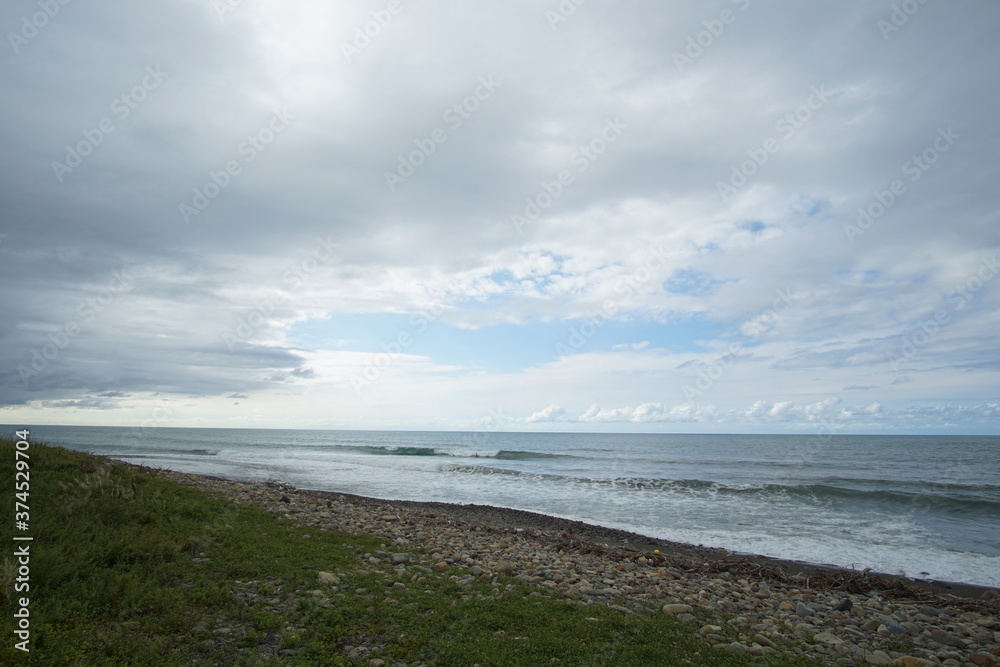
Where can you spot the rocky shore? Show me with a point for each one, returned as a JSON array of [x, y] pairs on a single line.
[[740, 603]]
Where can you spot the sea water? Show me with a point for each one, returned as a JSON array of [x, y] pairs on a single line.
[[923, 506]]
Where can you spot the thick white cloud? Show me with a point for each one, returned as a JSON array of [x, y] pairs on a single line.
[[550, 414]]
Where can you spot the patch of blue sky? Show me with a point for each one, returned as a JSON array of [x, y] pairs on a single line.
[[871, 276], [673, 337], [818, 206], [497, 348], [810, 206], [502, 276], [710, 248], [690, 282]]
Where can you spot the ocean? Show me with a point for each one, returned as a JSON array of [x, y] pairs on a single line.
[[922, 506]]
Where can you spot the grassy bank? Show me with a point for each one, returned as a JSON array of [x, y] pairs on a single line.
[[130, 568]]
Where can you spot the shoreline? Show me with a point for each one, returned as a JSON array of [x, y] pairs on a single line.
[[588, 536]]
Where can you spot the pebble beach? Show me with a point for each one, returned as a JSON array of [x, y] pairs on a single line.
[[741, 603]]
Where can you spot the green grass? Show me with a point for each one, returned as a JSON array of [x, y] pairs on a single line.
[[128, 568]]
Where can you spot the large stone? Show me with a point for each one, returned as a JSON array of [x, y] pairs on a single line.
[[982, 659], [895, 629], [878, 658], [328, 578], [399, 559], [844, 605], [828, 638], [941, 637], [804, 610], [677, 609], [735, 647], [504, 567]]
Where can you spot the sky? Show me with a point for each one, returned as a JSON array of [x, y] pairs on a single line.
[[732, 216]]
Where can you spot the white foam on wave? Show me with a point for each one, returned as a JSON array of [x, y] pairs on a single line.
[[473, 453], [921, 562]]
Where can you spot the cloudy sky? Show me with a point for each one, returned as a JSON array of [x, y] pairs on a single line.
[[731, 216]]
